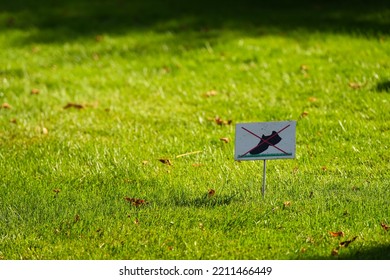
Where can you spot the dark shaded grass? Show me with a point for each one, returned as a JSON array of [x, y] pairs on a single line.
[[59, 21]]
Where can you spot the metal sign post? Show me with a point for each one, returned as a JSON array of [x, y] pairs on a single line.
[[264, 141], [264, 176]]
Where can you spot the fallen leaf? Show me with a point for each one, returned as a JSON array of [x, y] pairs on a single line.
[[355, 85], [165, 161], [336, 233], [76, 218], [287, 204], [346, 243], [220, 121], [136, 221], [35, 91], [57, 191], [304, 114], [312, 99], [211, 193], [74, 105], [145, 162], [211, 93], [135, 201], [324, 168], [224, 139], [6, 106], [13, 121], [197, 164], [44, 131], [384, 226]]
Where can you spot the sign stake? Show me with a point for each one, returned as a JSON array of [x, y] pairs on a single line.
[[264, 177]]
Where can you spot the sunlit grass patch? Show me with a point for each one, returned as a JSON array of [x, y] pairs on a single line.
[[117, 135]]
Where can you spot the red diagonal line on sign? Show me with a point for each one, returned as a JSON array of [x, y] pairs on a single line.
[[264, 141]]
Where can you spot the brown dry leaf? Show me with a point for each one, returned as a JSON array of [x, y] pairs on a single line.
[[136, 221], [35, 91], [324, 168], [220, 121], [74, 105], [145, 162], [5, 106], [211, 93], [56, 191], [384, 226], [336, 233], [304, 114], [335, 252], [165, 161], [224, 139], [211, 193], [355, 85], [135, 201], [13, 120], [346, 243], [312, 99], [287, 204]]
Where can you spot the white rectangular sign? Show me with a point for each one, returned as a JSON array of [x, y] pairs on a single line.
[[265, 140]]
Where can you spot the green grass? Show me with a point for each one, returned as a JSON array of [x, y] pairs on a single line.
[[142, 73]]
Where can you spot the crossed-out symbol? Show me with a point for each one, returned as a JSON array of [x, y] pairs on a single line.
[[265, 141]]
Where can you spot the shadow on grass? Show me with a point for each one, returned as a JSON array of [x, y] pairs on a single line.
[[374, 253], [61, 21], [203, 201], [383, 86], [379, 252]]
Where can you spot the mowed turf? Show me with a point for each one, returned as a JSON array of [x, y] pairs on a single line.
[[117, 129]]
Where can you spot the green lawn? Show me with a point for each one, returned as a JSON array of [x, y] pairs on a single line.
[[112, 114]]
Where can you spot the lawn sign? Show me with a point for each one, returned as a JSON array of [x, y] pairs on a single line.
[[265, 141]]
